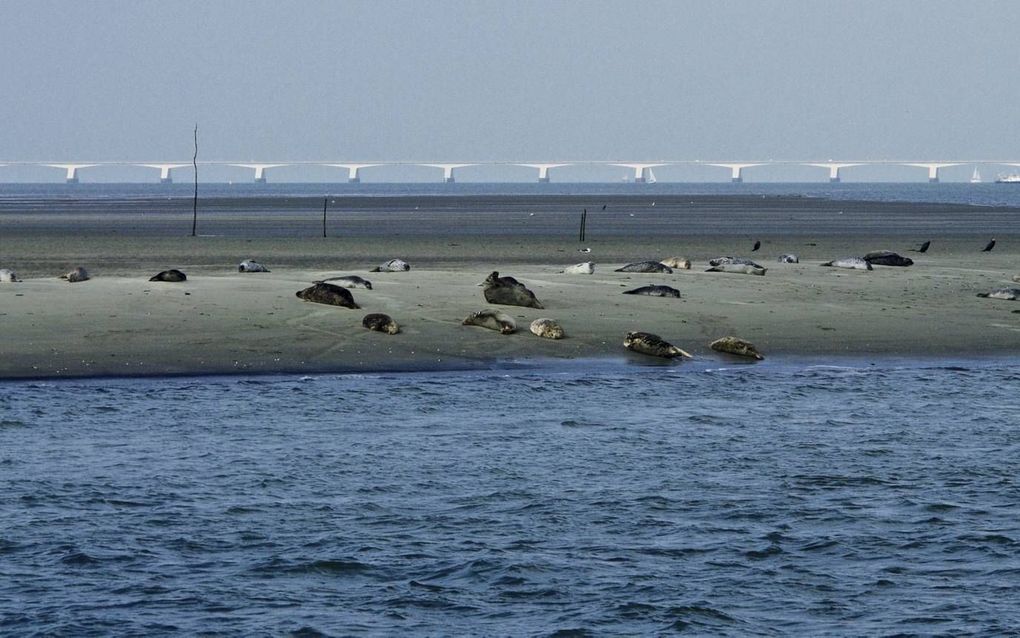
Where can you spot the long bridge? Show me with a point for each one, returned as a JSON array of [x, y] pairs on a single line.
[[642, 171]]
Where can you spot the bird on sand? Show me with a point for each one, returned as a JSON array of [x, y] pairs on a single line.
[[923, 248], [757, 245], [989, 247]]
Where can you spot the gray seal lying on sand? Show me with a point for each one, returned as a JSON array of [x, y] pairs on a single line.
[[1009, 294], [547, 328], [583, 268], [854, 263], [740, 261], [349, 281], [654, 291], [1016, 278], [654, 345], [493, 320], [393, 265], [789, 259], [78, 274], [8, 276], [737, 346], [507, 291], [250, 265], [380, 323], [328, 294], [646, 266], [173, 275], [740, 268], [887, 258], [679, 263]]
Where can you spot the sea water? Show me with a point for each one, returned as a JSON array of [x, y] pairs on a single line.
[[591, 498]]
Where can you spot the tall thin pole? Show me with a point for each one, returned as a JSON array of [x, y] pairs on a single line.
[[324, 201], [584, 219], [194, 202]]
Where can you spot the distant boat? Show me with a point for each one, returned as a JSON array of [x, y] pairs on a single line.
[[651, 177], [1012, 178], [976, 177]]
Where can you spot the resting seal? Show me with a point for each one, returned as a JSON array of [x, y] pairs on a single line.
[[380, 323], [1016, 278], [654, 291], [584, 268], [854, 263], [493, 320], [250, 265], [507, 291], [742, 269], [173, 275], [646, 266], [737, 346], [8, 276], [547, 328], [78, 274], [654, 345], [789, 259], [887, 258], [740, 261], [350, 281], [393, 265], [1009, 294], [328, 294], [679, 263]]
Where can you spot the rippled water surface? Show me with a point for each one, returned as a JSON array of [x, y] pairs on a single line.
[[598, 499]]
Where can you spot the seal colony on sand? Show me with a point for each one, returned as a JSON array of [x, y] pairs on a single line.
[[737, 346], [583, 268], [173, 275], [646, 266], [379, 322], [8, 276], [654, 291], [853, 263], [507, 291], [78, 274], [250, 265], [547, 328], [493, 320], [678, 263], [1009, 294], [349, 281], [654, 345], [393, 265], [328, 294], [887, 258]]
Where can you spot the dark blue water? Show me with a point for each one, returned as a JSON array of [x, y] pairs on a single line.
[[595, 499]]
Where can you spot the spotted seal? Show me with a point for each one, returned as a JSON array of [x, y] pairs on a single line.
[[740, 261], [173, 276], [547, 328], [654, 345], [77, 274], [654, 291], [739, 268], [854, 263], [1016, 278], [328, 294], [493, 320], [789, 259], [583, 268], [646, 266], [8, 276], [737, 346], [677, 263], [379, 322], [1009, 294], [887, 258], [349, 281], [250, 265], [393, 265], [507, 291]]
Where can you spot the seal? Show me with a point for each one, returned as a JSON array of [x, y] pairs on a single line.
[[250, 265], [8, 276], [507, 291], [1009, 294], [547, 328], [78, 274], [380, 323], [740, 261], [677, 263], [393, 265], [887, 258], [789, 259], [654, 291], [173, 275], [854, 263], [583, 268], [493, 320], [350, 281], [739, 268], [737, 346], [654, 345], [646, 266], [328, 294], [1016, 278]]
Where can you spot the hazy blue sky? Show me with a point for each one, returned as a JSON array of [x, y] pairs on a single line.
[[509, 80]]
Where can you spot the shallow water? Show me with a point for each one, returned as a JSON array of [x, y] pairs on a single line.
[[598, 498]]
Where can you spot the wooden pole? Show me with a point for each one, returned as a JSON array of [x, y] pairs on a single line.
[[324, 201], [194, 202]]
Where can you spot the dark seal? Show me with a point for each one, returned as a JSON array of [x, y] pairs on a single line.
[[507, 291], [173, 275], [654, 291], [887, 258], [653, 345], [380, 323], [328, 294], [646, 266]]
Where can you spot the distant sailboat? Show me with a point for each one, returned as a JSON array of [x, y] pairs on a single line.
[[976, 177], [651, 177]]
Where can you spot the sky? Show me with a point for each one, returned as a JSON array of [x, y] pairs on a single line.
[[521, 81]]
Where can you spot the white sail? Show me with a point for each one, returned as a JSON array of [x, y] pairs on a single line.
[[651, 177], [976, 177]]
